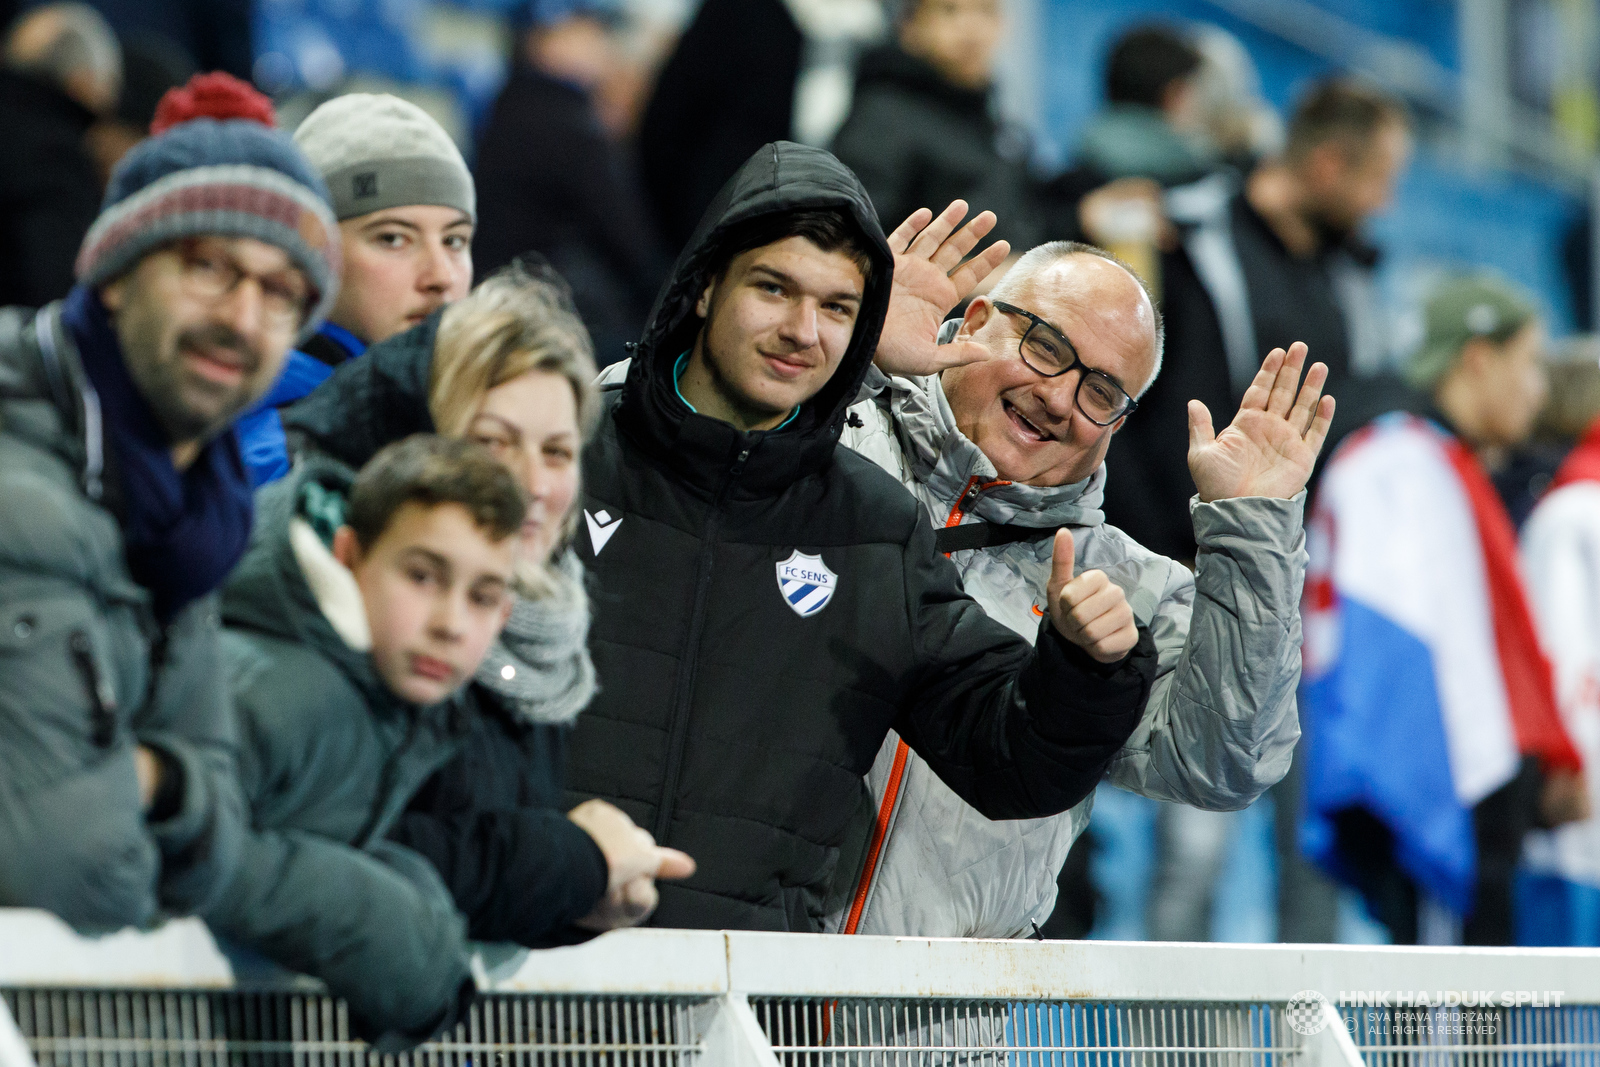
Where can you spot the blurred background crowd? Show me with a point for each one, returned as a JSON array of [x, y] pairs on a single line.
[[598, 131]]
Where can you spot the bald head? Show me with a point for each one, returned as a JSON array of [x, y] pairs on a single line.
[[1029, 425], [72, 47]]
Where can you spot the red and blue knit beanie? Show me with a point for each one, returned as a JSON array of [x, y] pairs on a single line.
[[216, 166]]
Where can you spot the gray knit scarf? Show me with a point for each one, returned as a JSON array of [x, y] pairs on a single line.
[[541, 662]]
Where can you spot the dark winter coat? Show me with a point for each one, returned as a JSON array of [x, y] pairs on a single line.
[[734, 727], [915, 141], [492, 820], [727, 90], [329, 758], [576, 201], [86, 674], [49, 189]]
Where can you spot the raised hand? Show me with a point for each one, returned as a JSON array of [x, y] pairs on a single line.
[[1272, 443], [1089, 610], [930, 280]]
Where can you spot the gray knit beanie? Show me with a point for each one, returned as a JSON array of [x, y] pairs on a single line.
[[378, 151]]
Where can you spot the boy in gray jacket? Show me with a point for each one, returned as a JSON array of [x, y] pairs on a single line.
[[1005, 448]]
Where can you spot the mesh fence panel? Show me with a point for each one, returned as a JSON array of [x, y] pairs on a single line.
[[933, 1033], [167, 1028]]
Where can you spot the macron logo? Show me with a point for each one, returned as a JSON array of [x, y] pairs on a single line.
[[601, 527]]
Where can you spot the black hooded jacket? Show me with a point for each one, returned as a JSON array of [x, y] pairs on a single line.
[[728, 723]]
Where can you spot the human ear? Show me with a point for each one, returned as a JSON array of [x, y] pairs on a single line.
[[114, 294], [347, 548], [977, 316], [702, 307]]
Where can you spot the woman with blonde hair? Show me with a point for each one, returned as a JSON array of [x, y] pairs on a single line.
[[511, 367]]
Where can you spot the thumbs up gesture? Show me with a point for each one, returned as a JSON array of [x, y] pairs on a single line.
[[1089, 610]]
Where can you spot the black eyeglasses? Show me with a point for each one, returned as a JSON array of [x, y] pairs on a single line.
[[1047, 351]]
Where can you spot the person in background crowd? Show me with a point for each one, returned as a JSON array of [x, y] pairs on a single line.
[[365, 604], [508, 366], [407, 209], [212, 34], [737, 61], [768, 606], [1006, 449], [62, 74], [1556, 894], [576, 201], [124, 504], [921, 128], [151, 67], [1435, 742], [1280, 256]]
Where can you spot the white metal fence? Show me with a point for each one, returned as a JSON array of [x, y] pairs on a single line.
[[659, 998]]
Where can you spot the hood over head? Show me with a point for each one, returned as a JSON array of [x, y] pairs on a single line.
[[780, 178]]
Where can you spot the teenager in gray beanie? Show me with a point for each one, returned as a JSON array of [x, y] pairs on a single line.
[[407, 209]]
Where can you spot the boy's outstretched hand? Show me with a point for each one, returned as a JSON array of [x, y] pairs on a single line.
[[633, 863]]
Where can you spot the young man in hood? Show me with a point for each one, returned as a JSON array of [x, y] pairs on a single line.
[[767, 606], [124, 504], [1006, 448], [407, 207]]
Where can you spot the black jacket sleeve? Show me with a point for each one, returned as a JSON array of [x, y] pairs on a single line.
[[1016, 733], [523, 875]]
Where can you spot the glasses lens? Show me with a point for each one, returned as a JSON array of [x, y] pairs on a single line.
[[1101, 399], [1045, 353]]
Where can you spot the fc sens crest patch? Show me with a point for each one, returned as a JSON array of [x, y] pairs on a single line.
[[806, 583]]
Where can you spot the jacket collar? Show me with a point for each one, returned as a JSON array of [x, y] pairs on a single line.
[[700, 451], [957, 472]]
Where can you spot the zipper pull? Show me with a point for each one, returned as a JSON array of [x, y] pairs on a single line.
[[102, 699]]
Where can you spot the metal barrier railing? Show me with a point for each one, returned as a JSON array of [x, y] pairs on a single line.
[[663, 998]]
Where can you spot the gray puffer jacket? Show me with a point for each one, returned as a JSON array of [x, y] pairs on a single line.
[[86, 674], [1220, 725]]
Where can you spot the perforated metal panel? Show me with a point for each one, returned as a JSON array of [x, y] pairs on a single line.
[[902, 1033], [1477, 1037], [162, 1028]]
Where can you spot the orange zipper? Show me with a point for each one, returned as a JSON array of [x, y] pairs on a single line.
[[968, 492], [880, 830]]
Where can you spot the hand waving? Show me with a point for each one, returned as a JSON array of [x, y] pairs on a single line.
[[929, 280], [1270, 447]]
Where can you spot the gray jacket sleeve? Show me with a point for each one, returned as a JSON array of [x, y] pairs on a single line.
[[1221, 723]]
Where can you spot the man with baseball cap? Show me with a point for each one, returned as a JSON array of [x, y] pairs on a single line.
[[124, 503], [406, 207]]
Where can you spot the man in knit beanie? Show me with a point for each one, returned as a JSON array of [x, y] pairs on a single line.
[[124, 503], [406, 208]]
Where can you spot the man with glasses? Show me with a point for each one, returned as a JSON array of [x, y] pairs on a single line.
[[1005, 447], [123, 505]]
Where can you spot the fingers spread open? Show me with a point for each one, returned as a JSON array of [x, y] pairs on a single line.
[[980, 267], [1261, 385], [1318, 433], [964, 240], [1305, 405], [915, 223], [1284, 385], [933, 235]]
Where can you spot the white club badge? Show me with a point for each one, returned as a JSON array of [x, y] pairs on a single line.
[[806, 583]]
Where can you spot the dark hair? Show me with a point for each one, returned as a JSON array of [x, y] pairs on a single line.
[[1145, 61], [1344, 110], [829, 230], [431, 470]]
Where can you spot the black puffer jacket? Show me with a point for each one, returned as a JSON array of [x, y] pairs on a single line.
[[916, 140], [727, 723]]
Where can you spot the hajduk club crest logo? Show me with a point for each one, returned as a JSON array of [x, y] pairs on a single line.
[[806, 583]]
